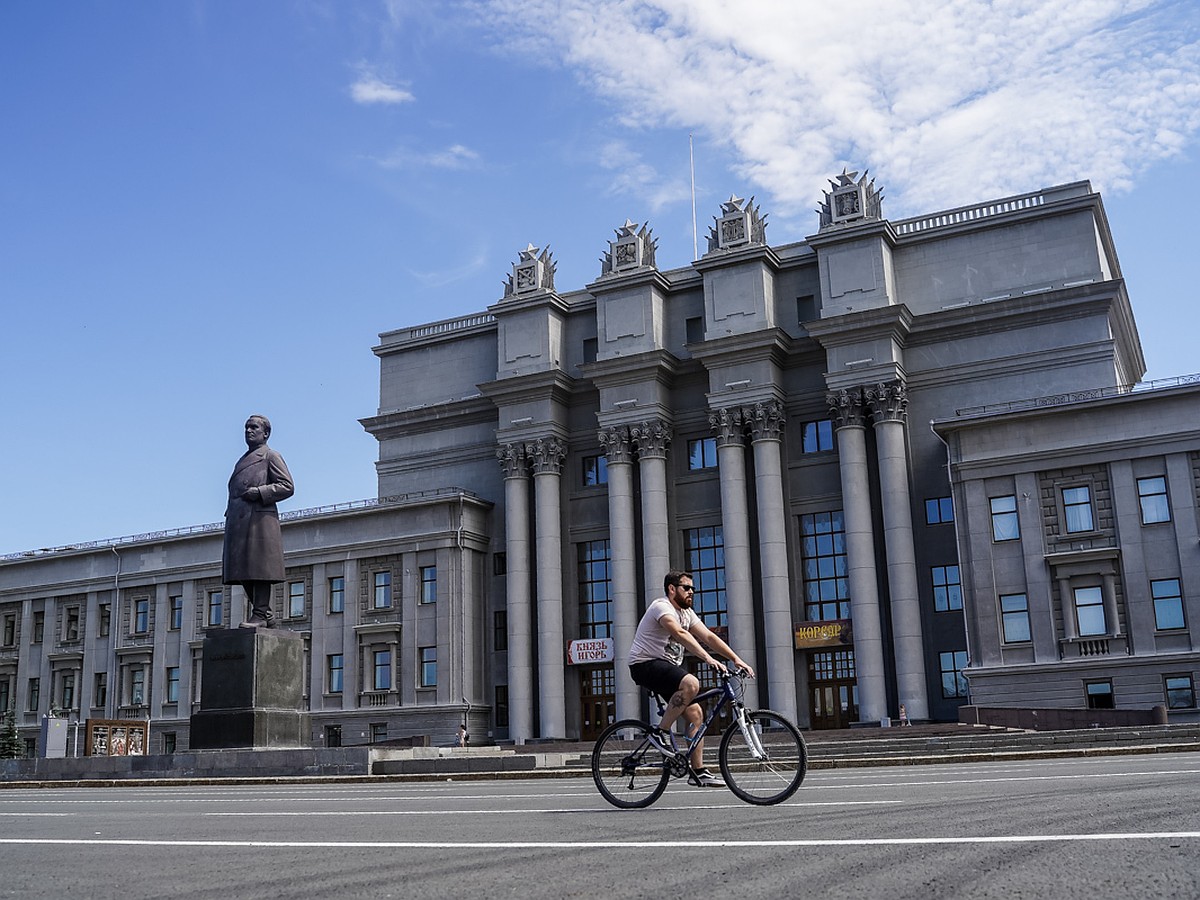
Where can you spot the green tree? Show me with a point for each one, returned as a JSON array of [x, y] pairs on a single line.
[[11, 746]]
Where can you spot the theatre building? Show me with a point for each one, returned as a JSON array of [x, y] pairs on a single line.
[[864, 446]]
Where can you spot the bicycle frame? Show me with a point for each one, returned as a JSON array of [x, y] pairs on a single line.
[[726, 696]]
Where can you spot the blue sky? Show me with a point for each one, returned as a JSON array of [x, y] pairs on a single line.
[[209, 209]]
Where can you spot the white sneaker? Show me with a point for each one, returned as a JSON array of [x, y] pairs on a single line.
[[705, 778]]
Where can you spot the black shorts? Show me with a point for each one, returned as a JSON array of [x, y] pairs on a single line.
[[658, 675]]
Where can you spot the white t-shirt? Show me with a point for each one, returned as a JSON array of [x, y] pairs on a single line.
[[652, 640]]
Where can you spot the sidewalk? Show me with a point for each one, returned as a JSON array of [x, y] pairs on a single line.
[[916, 745]]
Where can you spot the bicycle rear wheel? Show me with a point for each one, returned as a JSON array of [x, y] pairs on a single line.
[[629, 771], [770, 771]]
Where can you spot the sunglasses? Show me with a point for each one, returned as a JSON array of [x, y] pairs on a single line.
[[691, 588]]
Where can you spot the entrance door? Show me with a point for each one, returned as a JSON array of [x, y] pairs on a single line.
[[833, 689], [598, 701]]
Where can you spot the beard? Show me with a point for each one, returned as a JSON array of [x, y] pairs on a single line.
[[685, 599]]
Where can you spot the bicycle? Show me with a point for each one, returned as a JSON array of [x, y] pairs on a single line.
[[762, 755]]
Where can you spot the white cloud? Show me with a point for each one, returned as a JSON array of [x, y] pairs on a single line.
[[455, 156], [947, 102], [372, 89], [465, 269]]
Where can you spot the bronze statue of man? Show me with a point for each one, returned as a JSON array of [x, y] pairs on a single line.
[[253, 555]]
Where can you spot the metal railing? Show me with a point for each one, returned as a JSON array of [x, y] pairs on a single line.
[[218, 527], [1071, 397]]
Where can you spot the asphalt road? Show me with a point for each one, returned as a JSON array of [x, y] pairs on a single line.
[[1124, 827]]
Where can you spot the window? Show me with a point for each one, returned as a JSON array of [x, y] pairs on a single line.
[[333, 735], [823, 549], [428, 584], [1181, 692], [5, 693], [71, 626], [939, 511], [170, 742], [595, 470], [337, 594], [1152, 494], [591, 347], [702, 453], [499, 563], [500, 630], [1005, 525], [1014, 617], [1099, 694], [816, 437], [704, 557], [105, 619], [693, 327], [1168, 604], [383, 590], [215, 603], [382, 670], [176, 613], [172, 684], [295, 599], [1089, 611], [141, 615], [595, 587], [378, 732], [334, 666], [954, 683], [39, 627], [100, 690], [947, 590], [1077, 508], [501, 705], [137, 686], [806, 308], [428, 666], [66, 691], [10, 629], [35, 694]]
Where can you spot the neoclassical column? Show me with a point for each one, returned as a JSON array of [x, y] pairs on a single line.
[[1067, 601], [729, 427], [1110, 604], [652, 440], [846, 410], [546, 456], [517, 589], [618, 449], [888, 403], [766, 430]]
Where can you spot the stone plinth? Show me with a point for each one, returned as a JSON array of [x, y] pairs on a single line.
[[251, 691]]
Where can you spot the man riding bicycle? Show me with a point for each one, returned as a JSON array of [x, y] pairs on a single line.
[[669, 627]]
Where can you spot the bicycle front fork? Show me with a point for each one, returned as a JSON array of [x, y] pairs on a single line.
[[749, 733]]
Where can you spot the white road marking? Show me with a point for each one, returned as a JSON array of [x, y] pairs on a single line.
[[622, 845], [1006, 779]]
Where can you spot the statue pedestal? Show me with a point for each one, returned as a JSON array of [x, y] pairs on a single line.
[[251, 691]]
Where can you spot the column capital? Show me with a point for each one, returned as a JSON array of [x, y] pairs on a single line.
[[765, 421], [546, 455], [846, 408], [512, 460], [729, 425], [617, 444], [888, 401], [652, 438]]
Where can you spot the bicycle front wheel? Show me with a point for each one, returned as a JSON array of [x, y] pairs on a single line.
[[629, 771], [767, 765]]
